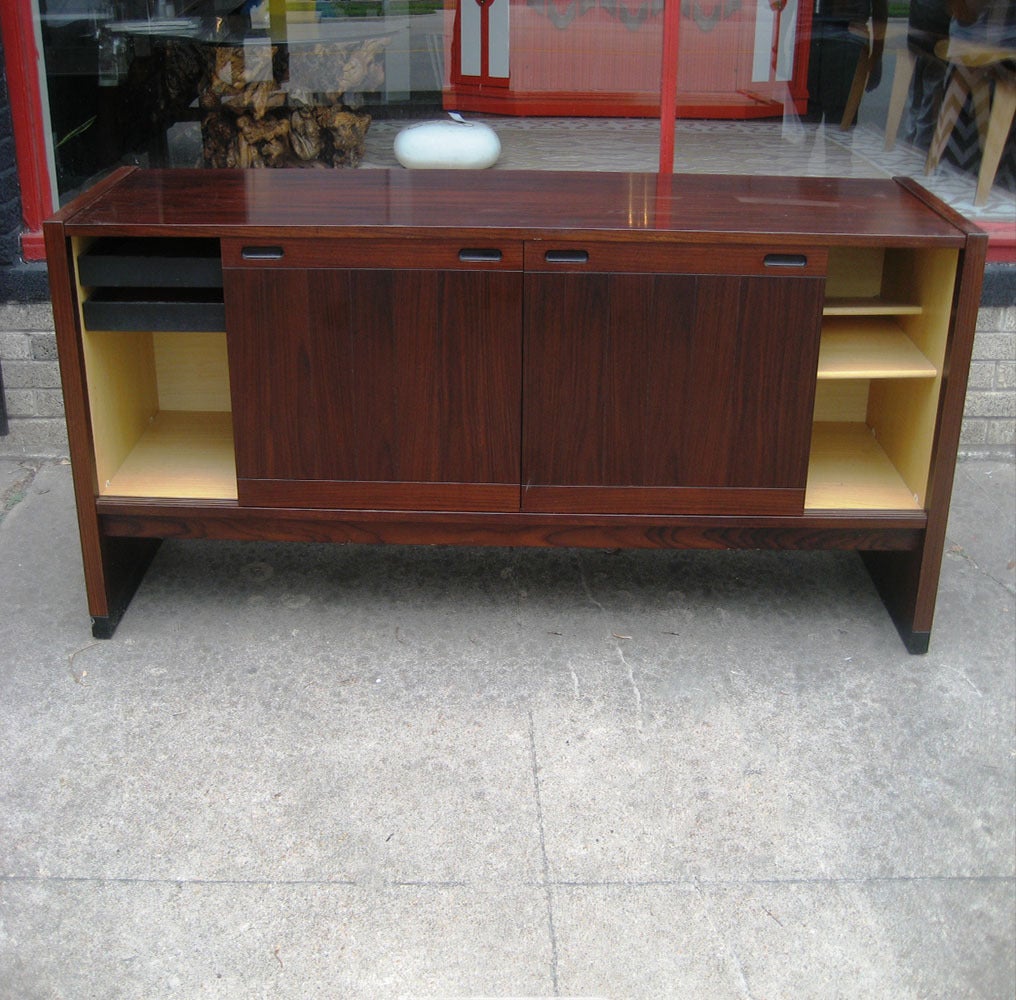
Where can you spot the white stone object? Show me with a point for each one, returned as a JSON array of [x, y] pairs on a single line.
[[455, 145]]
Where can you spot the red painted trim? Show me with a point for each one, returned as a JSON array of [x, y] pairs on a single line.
[[668, 85], [22, 57], [33, 246], [471, 86], [802, 57], [485, 43], [1001, 240], [499, 101]]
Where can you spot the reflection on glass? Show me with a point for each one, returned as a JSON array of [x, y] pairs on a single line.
[[828, 87]]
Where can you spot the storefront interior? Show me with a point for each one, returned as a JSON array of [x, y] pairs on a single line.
[[565, 84]]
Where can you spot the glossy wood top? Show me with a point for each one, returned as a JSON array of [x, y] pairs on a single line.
[[517, 203]]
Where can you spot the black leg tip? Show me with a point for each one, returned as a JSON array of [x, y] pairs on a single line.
[[103, 628], [916, 642]]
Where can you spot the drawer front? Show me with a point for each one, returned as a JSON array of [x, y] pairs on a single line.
[[577, 256], [440, 254]]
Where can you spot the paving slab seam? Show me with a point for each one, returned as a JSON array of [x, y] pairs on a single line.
[[549, 884], [544, 861], [283, 882], [619, 649], [695, 883]]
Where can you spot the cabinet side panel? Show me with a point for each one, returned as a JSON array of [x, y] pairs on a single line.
[[122, 395]]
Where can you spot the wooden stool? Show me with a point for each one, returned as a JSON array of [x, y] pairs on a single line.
[[986, 74], [903, 74], [895, 42]]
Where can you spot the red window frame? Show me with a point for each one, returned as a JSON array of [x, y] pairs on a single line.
[[21, 57]]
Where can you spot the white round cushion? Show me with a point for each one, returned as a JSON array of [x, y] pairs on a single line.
[[456, 145]]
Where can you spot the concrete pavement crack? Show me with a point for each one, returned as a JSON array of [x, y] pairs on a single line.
[[18, 490], [954, 548], [545, 863]]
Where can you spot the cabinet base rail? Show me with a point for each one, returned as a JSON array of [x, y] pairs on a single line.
[[133, 530], [878, 532]]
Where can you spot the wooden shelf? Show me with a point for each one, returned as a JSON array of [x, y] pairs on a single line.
[[849, 470], [877, 306], [869, 347], [181, 455]]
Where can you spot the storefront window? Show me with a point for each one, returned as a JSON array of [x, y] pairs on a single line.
[[837, 87]]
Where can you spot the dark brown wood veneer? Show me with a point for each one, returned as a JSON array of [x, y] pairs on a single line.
[[513, 358]]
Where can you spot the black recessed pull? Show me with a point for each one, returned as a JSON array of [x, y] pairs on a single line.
[[480, 255], [566, 256], [786, 260], [262, 253]]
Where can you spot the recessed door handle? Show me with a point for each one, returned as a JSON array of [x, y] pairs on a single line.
[[785, 260], [262, 253], [480, 255], [566, 256]]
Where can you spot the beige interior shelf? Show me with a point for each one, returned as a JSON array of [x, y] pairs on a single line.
[[849, 470], [182, 454], [869, 347], [868, 306]]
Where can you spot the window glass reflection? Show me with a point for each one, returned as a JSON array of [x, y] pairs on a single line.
[[838, 87]]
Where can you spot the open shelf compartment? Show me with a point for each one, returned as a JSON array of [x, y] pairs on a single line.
[[161, 414], [180, 455], [849, 470], [884, 336]]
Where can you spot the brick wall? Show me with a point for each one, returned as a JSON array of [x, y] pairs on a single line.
[[31, 381], [989, 420]]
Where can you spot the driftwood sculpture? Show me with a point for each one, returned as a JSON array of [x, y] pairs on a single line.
[[252, 118]]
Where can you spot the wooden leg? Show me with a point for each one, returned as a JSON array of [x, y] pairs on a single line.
[[1003, 109], [856, 90], [125, 562], [980, 96], [952, 105], [898, 578], [902, 75]]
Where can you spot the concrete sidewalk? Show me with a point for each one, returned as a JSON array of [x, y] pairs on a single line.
[[343, 772]]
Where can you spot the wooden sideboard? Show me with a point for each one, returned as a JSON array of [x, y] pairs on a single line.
[[514, 358]]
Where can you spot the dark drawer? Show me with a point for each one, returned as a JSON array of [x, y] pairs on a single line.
[[156, 263], [188, 310]]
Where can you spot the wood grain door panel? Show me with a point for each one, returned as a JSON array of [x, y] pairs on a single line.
[[376, 388], [664, 393]]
